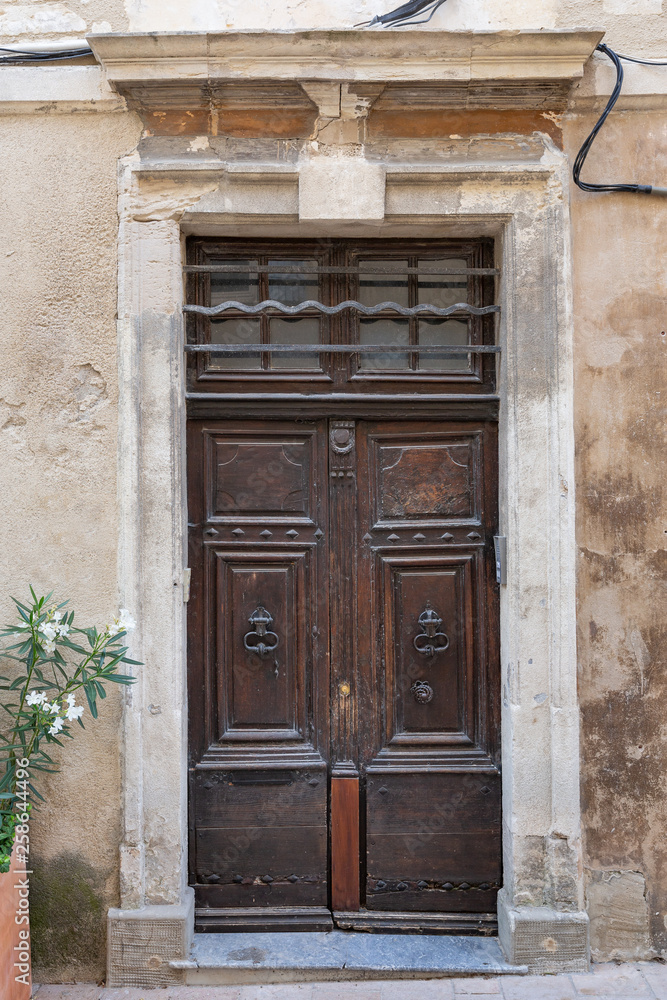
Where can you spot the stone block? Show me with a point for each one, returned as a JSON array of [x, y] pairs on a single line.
[[341, 188], [655, 974], [534, 987], [142, 943], [611, 980], [618, 912], [543, 939]]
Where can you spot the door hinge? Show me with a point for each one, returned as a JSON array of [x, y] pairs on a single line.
[[187, 574], [500, 548]]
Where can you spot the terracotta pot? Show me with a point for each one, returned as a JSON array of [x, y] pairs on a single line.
[[14, 936]]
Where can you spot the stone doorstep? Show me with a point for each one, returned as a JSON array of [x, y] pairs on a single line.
[[234, 959]]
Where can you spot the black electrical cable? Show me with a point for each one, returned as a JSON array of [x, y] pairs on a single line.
[[583, 152], [405, 14], [24, 56]]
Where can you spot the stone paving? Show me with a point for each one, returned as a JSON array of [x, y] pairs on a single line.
[[638, 981]]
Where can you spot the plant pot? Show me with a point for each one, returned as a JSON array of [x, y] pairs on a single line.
[[14, 933]]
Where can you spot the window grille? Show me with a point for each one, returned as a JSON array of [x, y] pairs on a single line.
[[396, 316]]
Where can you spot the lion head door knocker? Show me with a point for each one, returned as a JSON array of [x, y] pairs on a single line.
[[259, 640], [428, 642]]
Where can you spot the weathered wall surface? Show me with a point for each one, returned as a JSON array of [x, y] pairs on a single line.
[[633, 25], [620, 284], [58, 388]]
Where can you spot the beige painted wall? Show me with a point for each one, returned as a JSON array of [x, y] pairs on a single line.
[[635, 26], [620, 285], [58, 390]]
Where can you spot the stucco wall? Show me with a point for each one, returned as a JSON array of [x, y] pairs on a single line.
[[620, 353], [58, 390], [632, 25]]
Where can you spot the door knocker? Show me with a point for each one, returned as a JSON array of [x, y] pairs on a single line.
[[259, 640], [430, 641]]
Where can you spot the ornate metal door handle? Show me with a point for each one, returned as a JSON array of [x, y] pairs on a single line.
[[430, 641], [259, 640], [422, 692]]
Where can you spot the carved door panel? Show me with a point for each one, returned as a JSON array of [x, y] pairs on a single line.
[[258, 680], [343, 681], [428, 669]]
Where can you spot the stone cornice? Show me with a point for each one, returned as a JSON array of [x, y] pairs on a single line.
[[136, 64]]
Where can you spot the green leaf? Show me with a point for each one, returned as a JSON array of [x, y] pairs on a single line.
[[91, 701], [73, 646]]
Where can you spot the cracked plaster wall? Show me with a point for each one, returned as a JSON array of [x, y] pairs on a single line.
[[58, 391], [620, 388]]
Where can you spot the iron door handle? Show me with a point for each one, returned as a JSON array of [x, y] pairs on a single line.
[[259, 640], [429, 641]]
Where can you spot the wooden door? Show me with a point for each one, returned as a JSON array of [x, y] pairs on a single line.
[[344, 674]]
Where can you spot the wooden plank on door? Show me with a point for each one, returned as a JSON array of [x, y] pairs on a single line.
[[345, 844]]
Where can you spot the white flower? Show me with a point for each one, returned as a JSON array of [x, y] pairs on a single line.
[[54, 709], [56, 727], [48, 630], [126, 621], [36, 698], [58, 615], [123, 623], [63, 630], [49, 646], [74, 711]]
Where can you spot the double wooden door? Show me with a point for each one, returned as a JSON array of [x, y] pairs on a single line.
[[344, 674]]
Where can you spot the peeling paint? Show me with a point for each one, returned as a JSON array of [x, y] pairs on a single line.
[[50, 18]]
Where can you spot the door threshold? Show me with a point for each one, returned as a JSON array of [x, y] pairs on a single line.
[[417, 923], [292, 957]]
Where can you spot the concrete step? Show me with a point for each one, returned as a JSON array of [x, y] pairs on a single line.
[[292, 957]]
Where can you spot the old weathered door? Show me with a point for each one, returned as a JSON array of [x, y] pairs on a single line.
[[343, 680]]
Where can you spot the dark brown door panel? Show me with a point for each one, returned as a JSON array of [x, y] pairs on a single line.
[[429, 647], [261, 472], [263, 673], [343, 681], [424, 475]]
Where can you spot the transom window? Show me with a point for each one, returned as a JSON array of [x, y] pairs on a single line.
[[410, 308]]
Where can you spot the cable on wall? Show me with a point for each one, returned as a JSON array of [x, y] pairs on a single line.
[[50, 52], [405, 14], [580, 158]]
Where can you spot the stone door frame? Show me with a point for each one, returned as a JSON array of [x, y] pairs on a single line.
[[522, 202]]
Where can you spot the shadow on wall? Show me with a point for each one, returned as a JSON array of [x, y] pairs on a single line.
[[68, 905]]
